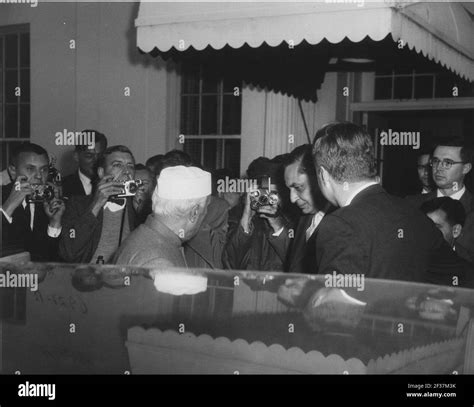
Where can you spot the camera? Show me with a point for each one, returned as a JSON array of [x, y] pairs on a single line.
[[130, 188], [40, 193], [264, 195]]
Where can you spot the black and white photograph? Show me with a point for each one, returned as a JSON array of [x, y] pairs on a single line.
[[234, 188]]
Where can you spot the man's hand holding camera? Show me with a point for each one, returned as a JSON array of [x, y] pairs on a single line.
[[270, 212], [106, 188], [54, 210], [21, 189]]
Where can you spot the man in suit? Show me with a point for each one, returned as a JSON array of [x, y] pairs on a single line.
[[373, 233], [451, 162], [300, 178], [31, 226], [80, 182], [180, 203], [95, 225]]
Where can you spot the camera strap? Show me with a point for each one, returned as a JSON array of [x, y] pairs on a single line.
[[125, 208]]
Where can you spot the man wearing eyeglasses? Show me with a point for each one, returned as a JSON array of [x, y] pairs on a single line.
[[450, 163]]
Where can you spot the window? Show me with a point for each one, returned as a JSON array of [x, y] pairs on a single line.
[[211, 111], [407, 83], [14, 88]]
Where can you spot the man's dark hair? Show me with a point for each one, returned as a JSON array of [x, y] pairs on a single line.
[[174, 158], [304, 156], [454, 210], [154, 163], [346, 151], [466, 152], [27, 148], [98, 138], [140, 166], [110, 150]]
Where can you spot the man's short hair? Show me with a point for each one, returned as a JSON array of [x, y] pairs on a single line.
[[466, 152], [304, 155], [155, 163], [110, 150], [454, 210], [346, 151], [141, 167], [27, 148], [98, 138]]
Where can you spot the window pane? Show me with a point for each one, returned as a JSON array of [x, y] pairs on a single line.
[[11, 82], [211, 153], [11, 51], [190, 115], [25, 121], [25, 50], [210, 80], [209, 115], [190, 82], [402, 88], [423, 87], [383, 88], [444, 86], [231, 115], [232, 156], [25, 85], [11, 121], [193, 148]]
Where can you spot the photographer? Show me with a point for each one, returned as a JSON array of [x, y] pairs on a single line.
[[95, 225], [31, 209], [261, 239]]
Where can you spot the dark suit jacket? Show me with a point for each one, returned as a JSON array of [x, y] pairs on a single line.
[[383, 236], [19, 236], [81, 229], [302, 254], [72, 186]]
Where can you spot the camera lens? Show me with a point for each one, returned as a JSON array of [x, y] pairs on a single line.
[[132, 187]]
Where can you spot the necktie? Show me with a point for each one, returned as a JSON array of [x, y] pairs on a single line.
[[28, 215]]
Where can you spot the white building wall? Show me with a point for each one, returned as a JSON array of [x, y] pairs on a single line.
[[84, 87]]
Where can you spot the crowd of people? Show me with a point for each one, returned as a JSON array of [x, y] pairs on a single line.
[[319, 209]]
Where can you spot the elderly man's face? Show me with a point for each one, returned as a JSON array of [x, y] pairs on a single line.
[[196, 219]]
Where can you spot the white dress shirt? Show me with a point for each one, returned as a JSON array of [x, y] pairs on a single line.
[[456, 196], [360, 189], [52, 232], [86, 182], [317, 218]]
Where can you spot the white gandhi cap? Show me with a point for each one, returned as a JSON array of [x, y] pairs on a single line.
[[184, 183]]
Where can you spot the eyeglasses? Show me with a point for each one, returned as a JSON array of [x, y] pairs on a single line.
[[445, 164]]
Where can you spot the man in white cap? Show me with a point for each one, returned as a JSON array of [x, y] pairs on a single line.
[[179, 204]]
